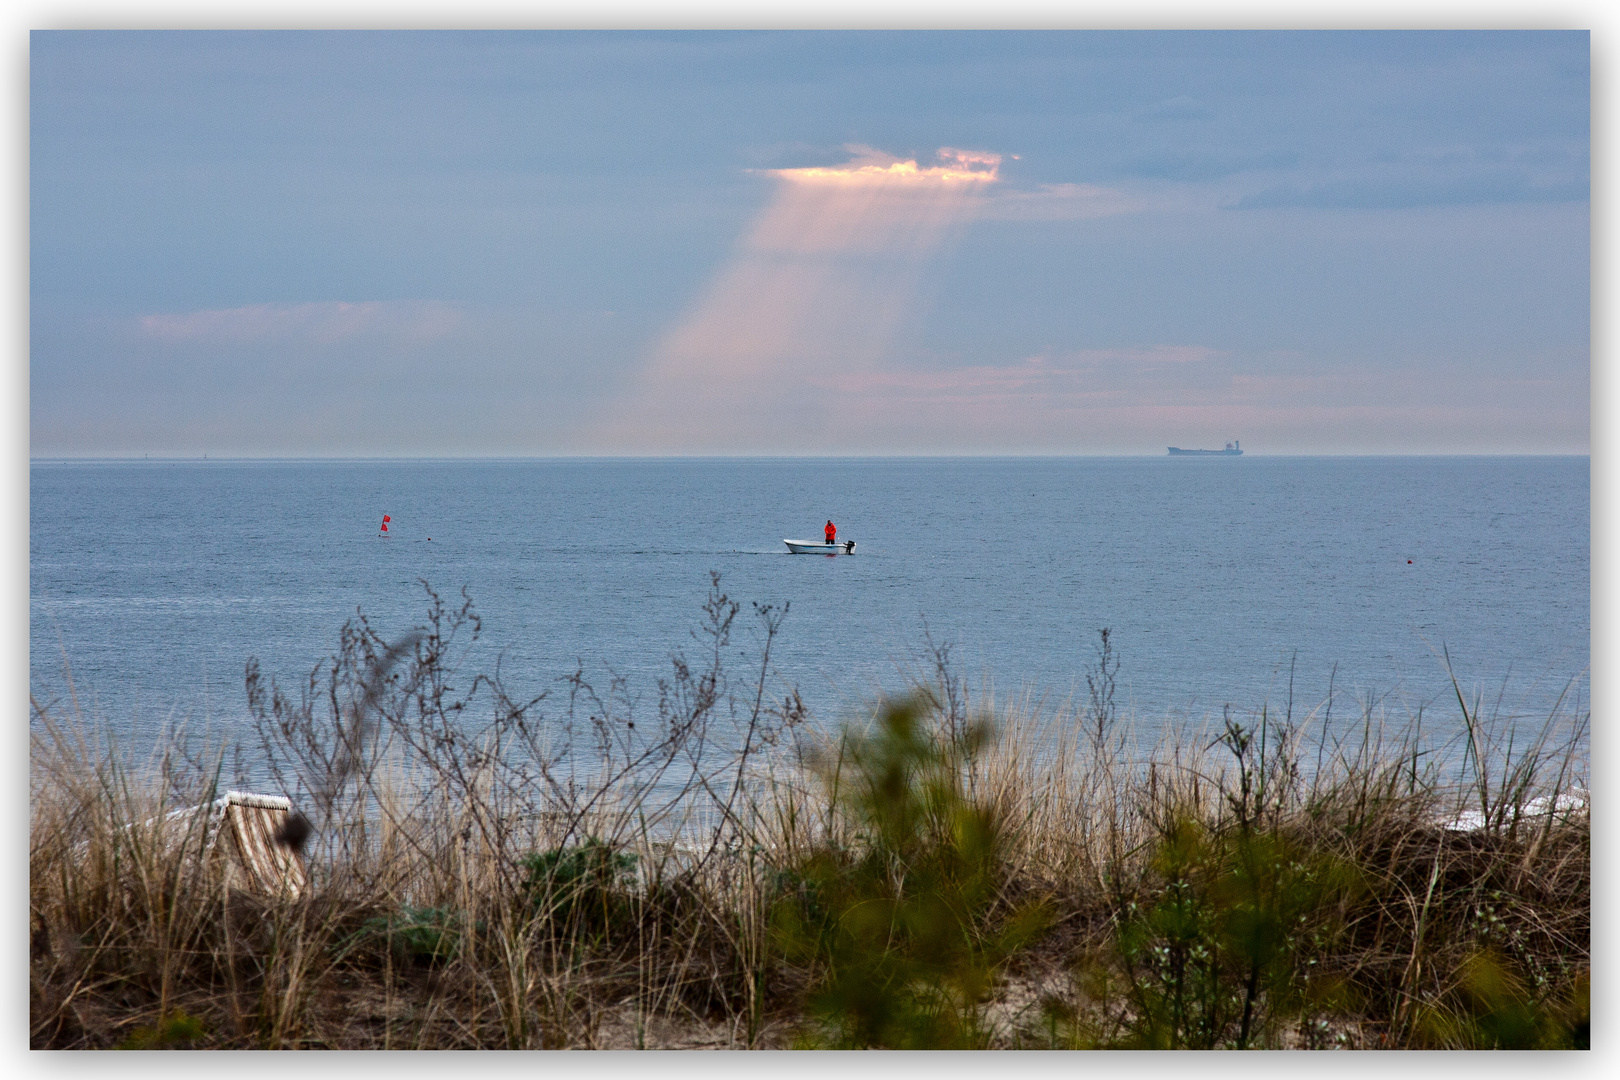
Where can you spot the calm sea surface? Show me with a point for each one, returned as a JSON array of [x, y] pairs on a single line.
[[156, 581]]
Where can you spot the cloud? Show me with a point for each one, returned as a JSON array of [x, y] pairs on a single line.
[[1467, 187], [404, 321], [1140, 400], [875, 169], [1059, 202], [1087, 374], [880, 173], [1185, 163]]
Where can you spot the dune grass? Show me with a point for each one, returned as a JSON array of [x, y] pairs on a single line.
[[571, 871]]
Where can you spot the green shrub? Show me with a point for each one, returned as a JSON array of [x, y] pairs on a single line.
[[900, 928], [176, 1031], [1220, 945], [421, 936], [585, 887], [1494, 1008]]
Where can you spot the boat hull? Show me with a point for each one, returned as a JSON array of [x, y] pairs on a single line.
[[816, 547], [1176, 451]]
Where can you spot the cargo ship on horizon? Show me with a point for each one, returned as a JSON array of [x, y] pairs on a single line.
[[1232, 450]]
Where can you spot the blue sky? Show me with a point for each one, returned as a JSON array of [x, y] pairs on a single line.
[[370, 243]]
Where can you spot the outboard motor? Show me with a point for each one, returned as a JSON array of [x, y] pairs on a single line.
[[849, 547]]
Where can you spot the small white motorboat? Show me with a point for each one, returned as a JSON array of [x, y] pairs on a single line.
[[817, 547]]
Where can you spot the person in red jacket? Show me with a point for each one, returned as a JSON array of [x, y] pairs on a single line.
[[831, 531]]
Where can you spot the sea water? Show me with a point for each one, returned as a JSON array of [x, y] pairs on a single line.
[[1225, 582]]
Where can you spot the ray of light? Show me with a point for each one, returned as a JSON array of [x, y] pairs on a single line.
[[816, 289]]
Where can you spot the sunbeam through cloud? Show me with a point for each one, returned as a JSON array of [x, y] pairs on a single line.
[[814, 293]]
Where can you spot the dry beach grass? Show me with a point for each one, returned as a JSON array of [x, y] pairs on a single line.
[[568, 871]]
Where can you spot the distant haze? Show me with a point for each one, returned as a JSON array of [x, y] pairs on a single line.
[[424, 244]]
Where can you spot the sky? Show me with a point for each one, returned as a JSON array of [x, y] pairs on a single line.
[[316, 244]]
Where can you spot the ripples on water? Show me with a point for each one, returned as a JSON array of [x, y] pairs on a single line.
[[156, 581]]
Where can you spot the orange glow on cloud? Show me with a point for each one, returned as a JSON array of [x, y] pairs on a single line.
[[878, 170]]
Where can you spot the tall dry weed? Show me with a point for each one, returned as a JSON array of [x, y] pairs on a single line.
[[566, 868]]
